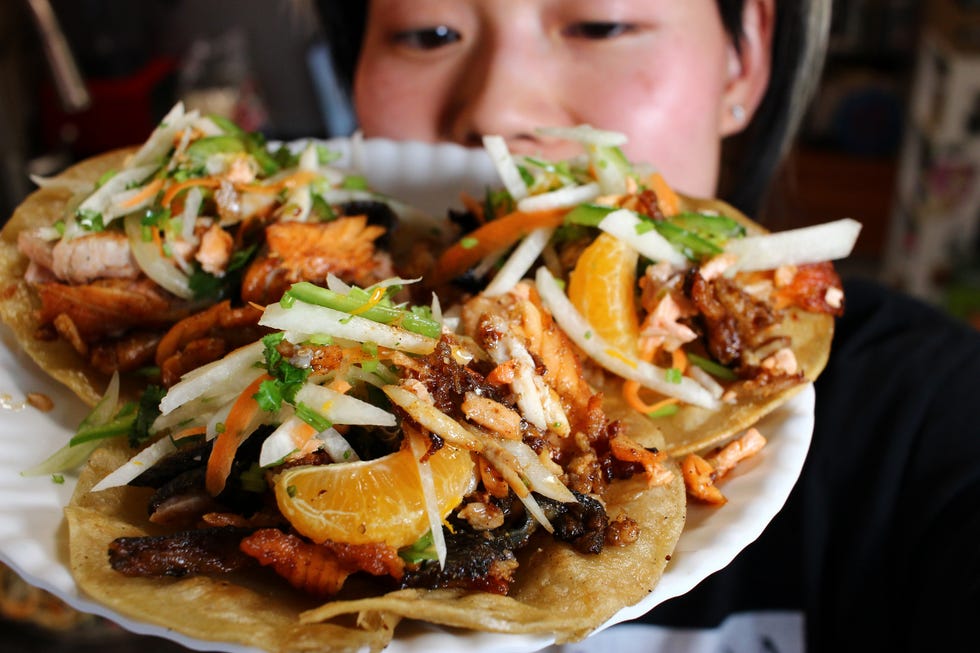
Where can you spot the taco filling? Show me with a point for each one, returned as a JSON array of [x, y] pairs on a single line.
[[694, 314], [146, 262], [371, 442]]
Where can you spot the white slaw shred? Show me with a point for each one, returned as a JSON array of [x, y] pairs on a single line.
[[623, 224], [623, 365], [823, 242], [429, 497], [519, 262], [307, 319], [499, 153]]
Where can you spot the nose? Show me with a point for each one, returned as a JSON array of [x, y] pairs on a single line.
[[506, 90]]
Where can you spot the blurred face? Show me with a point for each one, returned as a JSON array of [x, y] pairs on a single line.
[[661, 71]]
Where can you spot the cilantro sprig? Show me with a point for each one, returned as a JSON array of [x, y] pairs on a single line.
[[286, 381]]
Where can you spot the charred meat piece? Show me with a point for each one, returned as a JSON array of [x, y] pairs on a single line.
[[205, 337], [182, 500], [206, 551], [179, 480], [448, 381], [319, 569], [174, 465], [732, 320], [814, 288], [127, 354], [582, 524], [478, 560]]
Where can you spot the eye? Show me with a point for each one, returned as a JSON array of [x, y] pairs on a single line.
[[427, 38], [597, 30]]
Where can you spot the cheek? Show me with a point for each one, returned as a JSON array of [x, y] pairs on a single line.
[[394, 103], [670, 117]]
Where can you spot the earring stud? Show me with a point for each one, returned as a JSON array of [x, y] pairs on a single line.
[[738, 112]]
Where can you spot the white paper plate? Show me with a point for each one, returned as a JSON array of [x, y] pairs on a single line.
[[32, 529]]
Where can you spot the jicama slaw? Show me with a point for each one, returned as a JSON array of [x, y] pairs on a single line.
[[549, 211]]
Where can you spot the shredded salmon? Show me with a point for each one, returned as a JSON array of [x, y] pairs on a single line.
[[701, 474], [215, 250], [745, 446], [625, 449], [699, 480], [492, 415]]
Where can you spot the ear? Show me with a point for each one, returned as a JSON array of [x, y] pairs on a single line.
[[748, 67]]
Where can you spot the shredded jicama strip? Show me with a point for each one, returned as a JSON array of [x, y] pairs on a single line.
[[430, 499], [583, 335], [519, 263], [623, 225], [342, 409], [496, 147], [236, 370], [136, 465], [822, 242], [303, 318], [569, 196]]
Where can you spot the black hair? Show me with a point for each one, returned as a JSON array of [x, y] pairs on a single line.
[[751, 158]]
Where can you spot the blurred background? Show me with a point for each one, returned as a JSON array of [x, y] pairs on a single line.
[[892, 140]]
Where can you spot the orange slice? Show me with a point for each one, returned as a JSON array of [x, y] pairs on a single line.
[[602, 287], [376, 500]]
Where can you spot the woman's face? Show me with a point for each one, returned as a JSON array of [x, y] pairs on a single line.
[[657, 70]]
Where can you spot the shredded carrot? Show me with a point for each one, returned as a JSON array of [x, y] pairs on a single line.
[[145, 193], [669, 202], [158, 241], [172, 191], [492, 237], [189, 432], [679, 360], [631, 392], [298, 178], [502, 374], [240, 417]]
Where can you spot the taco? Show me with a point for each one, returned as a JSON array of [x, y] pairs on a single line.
[[368, 462], [145, 261], [697, 316]]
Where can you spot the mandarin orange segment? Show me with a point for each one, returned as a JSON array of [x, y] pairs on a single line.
[[368, 501], [602, 288]]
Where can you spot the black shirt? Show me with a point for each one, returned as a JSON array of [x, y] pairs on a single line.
[[878, 545]]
